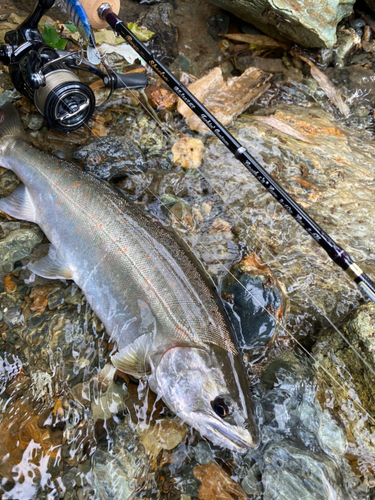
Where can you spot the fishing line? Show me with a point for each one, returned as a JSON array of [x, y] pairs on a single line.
[[344, 389], [283, 328], [267, 250]]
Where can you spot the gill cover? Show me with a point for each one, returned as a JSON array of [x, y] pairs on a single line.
[[208, 390]]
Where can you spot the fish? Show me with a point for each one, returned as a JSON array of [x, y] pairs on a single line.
[[153, 298], [82, 23]]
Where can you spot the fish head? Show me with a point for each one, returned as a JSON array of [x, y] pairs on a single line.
[[207, 389]]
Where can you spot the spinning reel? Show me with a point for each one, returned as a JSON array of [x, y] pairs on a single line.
[[46, 75]]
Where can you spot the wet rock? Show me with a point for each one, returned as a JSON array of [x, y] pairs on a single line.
[[353, 399], [292, 472], [13, 316], [110, 402], [163, 44], [357, 23], [8, 183], [118, 471], [188, 152], [165, 434], [162, 99], [17, 245], [348, 43], [263, 63], [310, 25], [218, 25], [258, 300], [305, 454], [34, 122], [217, 484], [356, 83], [110, 157]]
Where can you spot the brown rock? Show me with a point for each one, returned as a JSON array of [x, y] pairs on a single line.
[[188, 152], [216, 484], [39, 295], [163, 99]]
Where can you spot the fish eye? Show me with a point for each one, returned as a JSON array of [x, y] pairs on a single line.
[[221, 407]]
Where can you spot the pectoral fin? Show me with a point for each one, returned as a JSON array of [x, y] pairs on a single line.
[[19, 204], [132, 358], [52, 266]]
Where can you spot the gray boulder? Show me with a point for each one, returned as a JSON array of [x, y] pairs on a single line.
[[310, 24]]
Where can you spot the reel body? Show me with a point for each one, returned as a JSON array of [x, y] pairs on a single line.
[[48, 76]]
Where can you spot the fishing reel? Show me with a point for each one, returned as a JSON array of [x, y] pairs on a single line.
[[48, 76]]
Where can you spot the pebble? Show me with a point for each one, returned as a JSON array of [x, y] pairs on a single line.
[[357, 23]]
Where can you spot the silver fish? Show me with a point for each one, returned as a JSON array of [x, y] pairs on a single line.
[[153, 300]]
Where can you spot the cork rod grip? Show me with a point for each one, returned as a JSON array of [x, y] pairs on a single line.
[[91, 7]]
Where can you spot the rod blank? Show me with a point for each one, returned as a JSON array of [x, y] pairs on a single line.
[[335, 252]]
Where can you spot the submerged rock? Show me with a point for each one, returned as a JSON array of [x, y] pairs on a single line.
[[304, 453], [348, 43], [308, 24], [291, 473], [353, 398], [258, 300], [110, 157], [17, 245], [120, 469]]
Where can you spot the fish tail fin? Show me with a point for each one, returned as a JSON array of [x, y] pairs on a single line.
[[10, 123]]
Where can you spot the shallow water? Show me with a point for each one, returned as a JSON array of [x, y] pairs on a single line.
[[69, 430]]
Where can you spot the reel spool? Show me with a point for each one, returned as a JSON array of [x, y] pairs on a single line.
[[92, 6], [64, 101]]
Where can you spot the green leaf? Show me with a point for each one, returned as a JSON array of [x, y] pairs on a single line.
[[142, 33], [52, 39], [71, 27]]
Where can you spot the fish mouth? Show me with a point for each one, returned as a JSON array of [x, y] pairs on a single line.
[[219, 432]]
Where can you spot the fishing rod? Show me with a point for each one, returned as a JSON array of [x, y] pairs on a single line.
[[336, 253], [45, 76]]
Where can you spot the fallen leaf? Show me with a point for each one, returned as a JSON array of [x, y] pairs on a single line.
[[257, 41], [282, 127], [330, 90], [188, 152], [142, 33]]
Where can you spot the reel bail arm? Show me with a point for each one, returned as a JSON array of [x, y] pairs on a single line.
[[335, 252]]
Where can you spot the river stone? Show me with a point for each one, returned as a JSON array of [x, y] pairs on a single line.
[[254, 292], [348, 43], [305, 447], [310, 24], [120, 467], [17, 245], [110, 157], [163, 45], [292, 472], [353, 399], [356, 83]]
